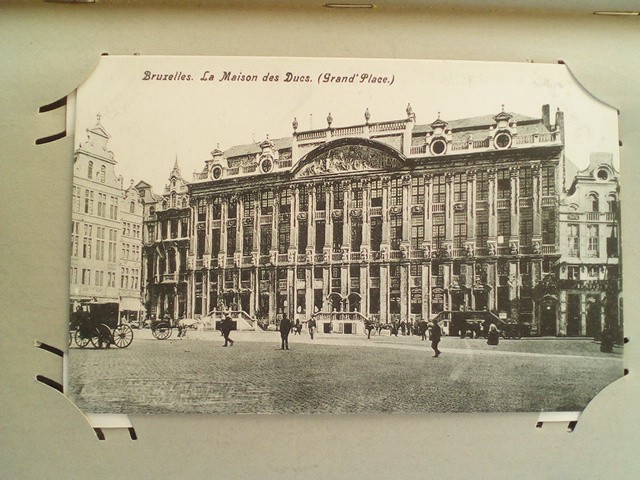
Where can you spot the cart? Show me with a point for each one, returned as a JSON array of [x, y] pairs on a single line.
[[97, 325]]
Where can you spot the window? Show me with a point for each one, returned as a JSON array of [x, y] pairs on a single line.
[[320, 236], [216, 210], [573, 240], [302, 236], [103, 173], [526, 226], [593, 204], [86, 276], [90, 170], [526, 182], [284, 237], [88, 202], [482, 228], [482, 185], [73, 274], [439, 189], [102, 205], [573, 272], [231, 240], [266, 202], [459, 229], [376, 193], [247, 242], [132, 207], [76, 199], [460, 187], [504, 184], [356, 235], [417, 231], [100, 243], [75, 238], [396, 192], [285, 200], [321, 197], [303, 198], [438, 230], [338, 196], [338, 236], [376, 233], [356, 197], [395, 222], [202, 210], [265, 239], [113, 233], [215, 242], [504, 222], [548, 226], [86, 241], [113, 208], [548, 181], [249, 205], [593, 246], [417, 190]]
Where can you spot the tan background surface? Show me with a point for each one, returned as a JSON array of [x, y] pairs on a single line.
[[46, 50]]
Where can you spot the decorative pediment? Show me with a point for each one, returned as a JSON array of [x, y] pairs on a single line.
[[328, 160]]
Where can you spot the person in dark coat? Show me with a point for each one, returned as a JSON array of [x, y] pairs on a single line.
[[493, 337], [424, 326], [225, 328], [436, 333], [311, 324], [368, 325], [285, 328]]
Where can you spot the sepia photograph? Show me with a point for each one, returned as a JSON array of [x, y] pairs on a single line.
[[317, 235]]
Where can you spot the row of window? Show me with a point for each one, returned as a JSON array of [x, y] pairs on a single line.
[[132, 230], [266, 200], [130, 252], [105, 248], [83, 202], [94, 174], [416, 233], [593, 241], [100, 278]]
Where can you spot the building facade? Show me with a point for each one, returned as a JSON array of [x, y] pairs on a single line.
[[104, 245], [131, 216], [166, 244], [394, 219], [586, 282]]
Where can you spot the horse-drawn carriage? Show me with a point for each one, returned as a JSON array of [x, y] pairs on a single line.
[[98, 324]]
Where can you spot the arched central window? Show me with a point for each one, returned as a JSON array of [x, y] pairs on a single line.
[[90, 170], [592, 203]]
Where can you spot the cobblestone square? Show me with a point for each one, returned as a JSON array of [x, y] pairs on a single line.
[[338, 374]]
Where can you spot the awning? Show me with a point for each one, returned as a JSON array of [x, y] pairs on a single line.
[[131, 304]]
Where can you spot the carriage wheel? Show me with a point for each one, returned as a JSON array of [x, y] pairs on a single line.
[[101, 335], [123, 336], [162, 331], [80, 340]]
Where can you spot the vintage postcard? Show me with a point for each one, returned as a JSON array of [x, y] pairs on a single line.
[[297, 235]]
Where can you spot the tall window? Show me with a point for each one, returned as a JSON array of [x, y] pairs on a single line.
[[216, 210], [103, 173], [356, 197], [482, 228], [285, 200], [86, 241], [439, 189], [90, 170], [88, 202], [395, 222], [303, 198], [356, 235], [321, 197], [76, 199], [376, 193], [113, 208], [303, 233], [592, 203], [482, 185], [504, 222], [215, 242], [231, 240], [396, 192], [438, 230], [573, 240], [173, 200], [284, 237], [526, 182], [338, 196], [417, 190], [100, 243], [113, 237], [526, 226], [75, 238], [265, 239], [548, 181], [460, 187], [376, 233], [247, 242], [249, 205], [459, 229], [232, 209], [417, 231], [102, 204], [338, 236], [593, 246], [548, 226], [504, 184]]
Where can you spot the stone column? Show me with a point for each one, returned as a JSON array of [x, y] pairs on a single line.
[[386, 233], [583, 314], [310, 293], [471, 201], [404, 292], [364, 288], [366, 216], [346, 218], [515, 207], [328, 234], [239, 227], [492, 179], [428, 228], [406, 210], [384, 293], [223, 225]]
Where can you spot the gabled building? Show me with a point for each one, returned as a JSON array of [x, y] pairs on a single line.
[[166, 243], [588, 273]]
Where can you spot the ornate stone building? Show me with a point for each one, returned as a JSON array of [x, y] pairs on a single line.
[[166, 243], [393, 219], [586, 282]]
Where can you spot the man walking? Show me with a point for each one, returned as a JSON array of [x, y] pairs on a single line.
[[436, 333], [225, 328], [312, 325], [285, 328]]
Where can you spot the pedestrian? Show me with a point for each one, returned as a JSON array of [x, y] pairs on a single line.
[[225, 328], [285, 328], [297, 327], [311, 324], [403, 327], [368, 325], [493, 337], [424, 326], [436, 333]]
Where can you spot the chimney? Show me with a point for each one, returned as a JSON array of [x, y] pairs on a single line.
[[559, 125], [546, 118]]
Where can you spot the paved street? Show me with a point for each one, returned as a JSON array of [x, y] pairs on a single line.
[[337, 374]]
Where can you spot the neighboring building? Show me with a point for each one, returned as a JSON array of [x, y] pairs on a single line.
[[588, 275], [131, 216], [393, 219], [166, 243], [97, 225]]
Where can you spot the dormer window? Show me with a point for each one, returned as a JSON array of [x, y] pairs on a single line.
[[103, 173], [90, 170], [502, 140], [438, 146], [602, 174]]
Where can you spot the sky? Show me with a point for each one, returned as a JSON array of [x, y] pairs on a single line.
[[152, 122]]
